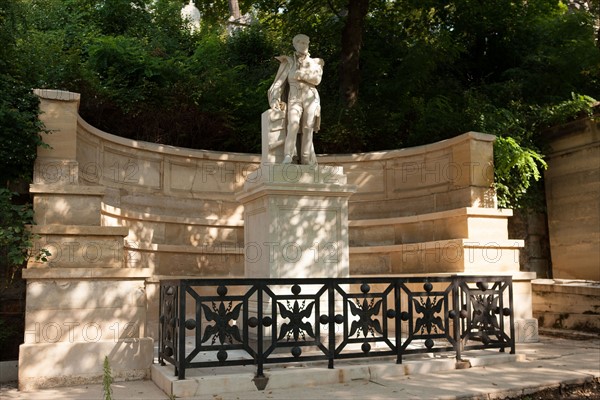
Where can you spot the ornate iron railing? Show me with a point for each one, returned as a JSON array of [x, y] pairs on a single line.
[[213, 322]]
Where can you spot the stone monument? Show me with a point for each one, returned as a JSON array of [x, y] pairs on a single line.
[[295, 216]]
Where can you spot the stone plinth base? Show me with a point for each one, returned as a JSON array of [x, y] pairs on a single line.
[[526, 330], [207, 383], [296, 221], [66, 364], [77, 316], [567, 304]]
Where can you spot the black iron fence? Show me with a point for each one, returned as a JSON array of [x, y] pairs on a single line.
[[218, 322]]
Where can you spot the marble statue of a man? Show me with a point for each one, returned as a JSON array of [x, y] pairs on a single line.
[[295, 88]]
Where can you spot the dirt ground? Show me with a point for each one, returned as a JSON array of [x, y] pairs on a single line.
[[572, 392]]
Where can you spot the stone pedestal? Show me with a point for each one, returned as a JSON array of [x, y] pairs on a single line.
[[83, 304], [296, 221], [295, 226]]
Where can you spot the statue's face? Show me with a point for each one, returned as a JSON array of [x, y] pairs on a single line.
[[301, 45]]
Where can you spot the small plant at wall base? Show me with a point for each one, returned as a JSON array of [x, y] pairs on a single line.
[[107, 380]]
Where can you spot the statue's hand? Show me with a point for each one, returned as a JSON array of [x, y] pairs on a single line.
[[275, 106]]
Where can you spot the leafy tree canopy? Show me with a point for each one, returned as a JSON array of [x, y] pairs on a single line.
[[422, 70]]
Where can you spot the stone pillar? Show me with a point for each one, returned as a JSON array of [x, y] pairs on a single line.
[[296, 221], [82, 304]]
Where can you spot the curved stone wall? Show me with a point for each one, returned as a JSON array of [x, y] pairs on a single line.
[[179, 203]]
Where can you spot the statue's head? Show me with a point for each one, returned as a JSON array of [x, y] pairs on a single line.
[[300, 43]]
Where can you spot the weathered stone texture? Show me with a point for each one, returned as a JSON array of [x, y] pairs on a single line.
[[573, 199]]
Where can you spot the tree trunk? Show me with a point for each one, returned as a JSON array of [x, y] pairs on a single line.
[[234, 9], [351, 44]]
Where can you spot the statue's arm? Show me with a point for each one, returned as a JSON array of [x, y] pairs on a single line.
[[313, 73]]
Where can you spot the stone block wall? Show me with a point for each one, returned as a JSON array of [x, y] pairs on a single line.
[[573, 199], [533, 230]]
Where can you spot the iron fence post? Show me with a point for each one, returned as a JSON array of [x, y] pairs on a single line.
[[458, 343], [259, 335], [512, 316], [160, 324], [331, 312], [181, 326], [398, 320]]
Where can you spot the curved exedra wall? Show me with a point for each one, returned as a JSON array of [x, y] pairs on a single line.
[[118, 215]]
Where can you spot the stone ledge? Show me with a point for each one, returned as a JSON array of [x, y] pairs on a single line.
[[148, 217], [465, 211], [516, 276], [292, 179], [524, 276], [156, 279], [569, 334], [164, 150], [409, 151], [578, 287], [172, 248], [58, 189], [172, 151], [436, 244], [88, 230], [316, 189], [87, 273], [53, 94], [451, 255]]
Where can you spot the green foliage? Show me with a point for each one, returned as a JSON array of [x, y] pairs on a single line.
[[19, 129], [346, 129], [430, 70], [13, 236], [107, 379], [15, 239], [19, 123], [564, 111], [123, 71], [516, 169]]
